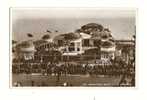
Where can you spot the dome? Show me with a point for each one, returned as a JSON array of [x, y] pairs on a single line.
[[107, 44], [68, 36], [92, 25], [46, 37], [26, 46], [72, 36], [37, 43]]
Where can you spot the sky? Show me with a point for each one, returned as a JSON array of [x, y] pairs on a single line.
[[120, 21]]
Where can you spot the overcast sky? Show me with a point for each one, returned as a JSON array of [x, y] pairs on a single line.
[[37, 20]]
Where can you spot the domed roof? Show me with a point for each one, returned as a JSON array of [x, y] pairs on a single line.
[[72, 36], [26, 46], [107, 44], [39, 42], [46, 37], [68, 36], [92, 25]]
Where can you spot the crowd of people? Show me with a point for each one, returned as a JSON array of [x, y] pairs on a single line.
[[72, 69], [126, 73], [58, 69]]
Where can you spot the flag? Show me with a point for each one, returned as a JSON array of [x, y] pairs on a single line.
[[30, 35], [48, 31]]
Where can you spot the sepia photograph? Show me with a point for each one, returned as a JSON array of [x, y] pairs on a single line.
[[72, 47]]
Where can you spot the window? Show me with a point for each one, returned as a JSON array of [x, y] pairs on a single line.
[[60, 42], [86, 42], [71, 49], [72, 44], [78, 44], [78, 49]]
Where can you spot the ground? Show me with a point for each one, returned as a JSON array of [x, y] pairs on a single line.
[[72, 80]]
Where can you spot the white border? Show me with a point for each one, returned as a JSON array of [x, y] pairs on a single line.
[[75, 94]]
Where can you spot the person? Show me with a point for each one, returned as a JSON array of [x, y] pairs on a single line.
[[32, 83], [58, 74], [133, 82], [17, 84]]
